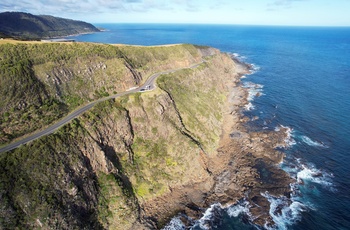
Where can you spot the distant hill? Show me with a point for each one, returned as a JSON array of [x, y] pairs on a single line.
[[28, 26]]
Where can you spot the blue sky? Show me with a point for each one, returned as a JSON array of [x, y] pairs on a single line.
[[252, 12]]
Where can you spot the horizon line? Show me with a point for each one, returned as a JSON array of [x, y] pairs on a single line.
[[219, 24]]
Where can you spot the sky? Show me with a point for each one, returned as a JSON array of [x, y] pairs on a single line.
[[243, 12]]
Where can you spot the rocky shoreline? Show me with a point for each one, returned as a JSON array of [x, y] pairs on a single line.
[[244, 167], [138, 161]]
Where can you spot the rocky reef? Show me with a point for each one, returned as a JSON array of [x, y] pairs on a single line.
[[137, 161]]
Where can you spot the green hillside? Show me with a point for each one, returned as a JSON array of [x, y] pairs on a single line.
[[101, 170], [41, 82], [30, 27]]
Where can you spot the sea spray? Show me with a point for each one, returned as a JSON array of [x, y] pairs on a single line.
[[313, 143], [241, 208], [306, 73], [254, 90], [206, 222], [287, 211], [310, 173], [214, 214], [237, 56], [289, 140], [175, 224], [283, 211]]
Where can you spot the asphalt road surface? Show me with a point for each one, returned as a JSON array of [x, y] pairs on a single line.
[[148, 85]]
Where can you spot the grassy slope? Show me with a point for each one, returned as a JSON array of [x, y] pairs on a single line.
[[60, 180], [41, 82]]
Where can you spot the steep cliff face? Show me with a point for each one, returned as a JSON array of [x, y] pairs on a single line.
[[102, 168], [42, 82], [135, 162]]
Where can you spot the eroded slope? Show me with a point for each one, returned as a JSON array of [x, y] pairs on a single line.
[[135, 162]]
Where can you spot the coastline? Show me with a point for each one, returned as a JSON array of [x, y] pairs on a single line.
[[71, 35], [230, 167], [244, 167], [316, 150], [251, 158]]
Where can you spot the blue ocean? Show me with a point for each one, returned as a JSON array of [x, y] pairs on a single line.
[[303, 76]]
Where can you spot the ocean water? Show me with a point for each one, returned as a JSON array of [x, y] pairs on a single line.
[[303, 76]]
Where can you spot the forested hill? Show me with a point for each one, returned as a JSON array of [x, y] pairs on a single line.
[[27, 26]]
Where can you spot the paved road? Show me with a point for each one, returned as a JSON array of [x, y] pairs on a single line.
[[148, 85]]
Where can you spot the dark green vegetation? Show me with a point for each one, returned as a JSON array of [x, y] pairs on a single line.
[[42, 82], [51, 182], [98, 171], [26, 26], [34, 181], [28, 103]]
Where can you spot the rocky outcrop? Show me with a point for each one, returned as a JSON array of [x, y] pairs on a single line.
[[135, 162], [244, 165], [41, 82]]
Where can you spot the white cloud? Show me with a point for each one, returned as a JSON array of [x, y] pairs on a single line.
[[106, 6], [282, 4]]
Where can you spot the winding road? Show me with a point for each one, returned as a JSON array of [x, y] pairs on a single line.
[[147, 86]]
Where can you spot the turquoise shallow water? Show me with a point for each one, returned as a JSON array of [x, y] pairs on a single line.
[[303, 74]]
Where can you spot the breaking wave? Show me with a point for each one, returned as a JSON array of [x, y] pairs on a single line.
[[238, 209], [206, 221], [310, 173], [238, 56], [175, 224], [289, 140], [214, 213], [254, 68], [254, 90], [287, 211], [311, 142], [283, 211]]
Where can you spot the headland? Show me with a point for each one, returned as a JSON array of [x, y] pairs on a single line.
[[138, 160]]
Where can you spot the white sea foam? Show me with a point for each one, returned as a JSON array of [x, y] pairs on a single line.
[[208, 216], [254, 90], [249, 106], [238, 56], [308, 173], [175, 224], [289, 140], [283, 211], [311, 173], [286, 212], [240, 208], [311, 142], [235, 54], [252, 85], [255, 69]]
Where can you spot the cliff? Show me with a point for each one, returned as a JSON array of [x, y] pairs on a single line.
[[42, 82], [28, 26], [136, 161]]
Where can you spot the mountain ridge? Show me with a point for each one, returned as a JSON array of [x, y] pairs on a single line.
[[26, 26]]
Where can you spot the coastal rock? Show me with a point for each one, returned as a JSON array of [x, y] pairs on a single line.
[[137, 161]]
